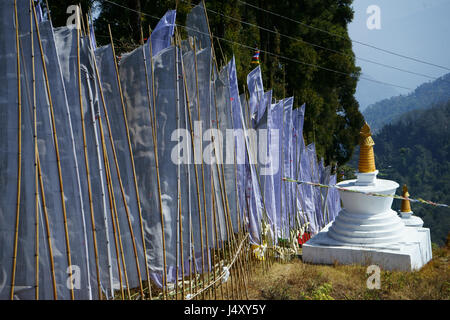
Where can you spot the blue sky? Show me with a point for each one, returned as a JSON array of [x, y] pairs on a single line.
[[416, 28]]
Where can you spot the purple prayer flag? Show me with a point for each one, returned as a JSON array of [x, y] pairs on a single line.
[[254, 187], [238, 124], [315, 177], [334, 200], [253, 198], [256, 92], [268, 134], [287, 165], [273, 182], [197, 26], [263, 106], [307, 191], [40, 16], [298, 147], [162, 34], [324, 192], [92, 35], [321, 170]]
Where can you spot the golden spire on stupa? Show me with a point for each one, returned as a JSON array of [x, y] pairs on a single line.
[[406, 207], [366, 155]]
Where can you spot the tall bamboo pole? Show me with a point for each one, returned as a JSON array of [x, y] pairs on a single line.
[[112, 208], [47, 225], [188, 124], [221, 187], [140, 213], [117, 238], [114, 218], [224, 208], [217, 244], [214, 202], [283, 185], [81, 20], [86, 162], [214, 236], [109, 185], [119, 235], [225, 255], [132, 165], [38, 178], [109, 179], [183, 275], [196, 270], [191, 237], [214, 56], [245, 213], [36, 184], [55, 140], [249, 261], [19, 156], [203, 174], [228, 224], [105, 162], [238, 213], [180, 220], [155, 150], [193, 152]]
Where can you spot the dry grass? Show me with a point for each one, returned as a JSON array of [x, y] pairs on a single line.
[[297, 281]]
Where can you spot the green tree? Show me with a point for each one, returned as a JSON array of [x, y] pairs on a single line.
[[332, 118], [416, 151]]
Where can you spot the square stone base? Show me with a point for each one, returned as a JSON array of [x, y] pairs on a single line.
[[411, 253]]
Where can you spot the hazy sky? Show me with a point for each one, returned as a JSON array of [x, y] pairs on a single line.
[[416, 28]]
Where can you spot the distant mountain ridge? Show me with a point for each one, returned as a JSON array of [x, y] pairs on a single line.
[[423, 97], [416, 151], [368, 92]]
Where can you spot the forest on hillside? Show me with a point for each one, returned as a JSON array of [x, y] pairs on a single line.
[[332, 118], [425, 96], [416, 151]]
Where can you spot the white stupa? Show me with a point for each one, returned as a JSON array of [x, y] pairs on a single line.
[[408, 218], [367, 231]]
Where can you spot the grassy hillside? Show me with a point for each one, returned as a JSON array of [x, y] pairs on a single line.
[[424, 97], [300, 281]]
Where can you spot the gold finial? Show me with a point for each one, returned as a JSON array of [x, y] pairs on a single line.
[[406, 207], [366, 155]]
